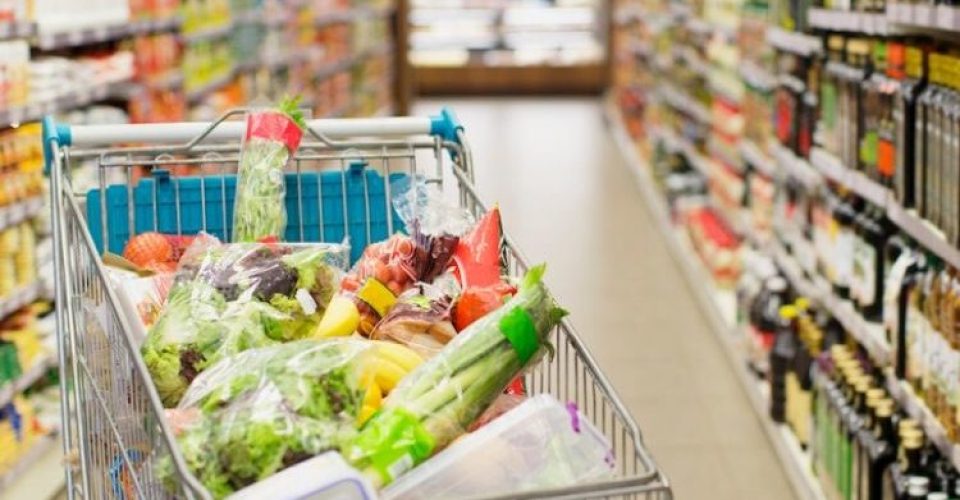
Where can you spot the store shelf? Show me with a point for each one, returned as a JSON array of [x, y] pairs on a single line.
[[794, 42], [39, 467], [924, 233], [350, 15], [210, 33], [54, 40], [197, 95], [83, 36], [20, 211], [477, 79], [935, 433], [870, 336], [683, 102], [924, 16], [831, 168], [712, 303], [756, 76], [146, 26], [798, 168], [754, 155], [17, 29], [72, 100], [27, 379], [851, 22]]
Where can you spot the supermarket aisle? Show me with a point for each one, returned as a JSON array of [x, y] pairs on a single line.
[[569, 200]]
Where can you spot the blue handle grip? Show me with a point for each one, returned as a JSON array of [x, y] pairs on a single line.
[[446, 125], [53, 131]]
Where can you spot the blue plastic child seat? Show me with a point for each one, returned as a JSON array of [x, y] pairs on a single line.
[[155, 207]]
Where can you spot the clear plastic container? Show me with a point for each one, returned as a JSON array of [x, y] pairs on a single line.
[[324, 477], [540, 444]]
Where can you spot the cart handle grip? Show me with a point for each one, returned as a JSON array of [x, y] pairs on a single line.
[[445, 125]]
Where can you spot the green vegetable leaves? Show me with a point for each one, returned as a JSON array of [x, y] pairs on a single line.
[[267, 409]]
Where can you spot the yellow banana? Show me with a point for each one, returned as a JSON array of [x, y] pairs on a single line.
[[339, 320], [402, 355], [372, 399], [387, 374]]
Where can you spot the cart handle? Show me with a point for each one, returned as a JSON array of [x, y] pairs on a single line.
[[444, 125]]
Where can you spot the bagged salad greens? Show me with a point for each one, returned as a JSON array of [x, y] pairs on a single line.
[[227, 298], [272, 138], [439, 400], [263, 410], [266, 409]]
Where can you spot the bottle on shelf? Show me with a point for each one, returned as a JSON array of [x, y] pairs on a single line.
[[764, 319], [783, 352], [874, 112], [799, 379]]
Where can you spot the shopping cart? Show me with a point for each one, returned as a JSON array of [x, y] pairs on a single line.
[[338, 185]]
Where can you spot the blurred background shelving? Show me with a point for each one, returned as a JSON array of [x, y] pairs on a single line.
[[529, 46], [138, 61]]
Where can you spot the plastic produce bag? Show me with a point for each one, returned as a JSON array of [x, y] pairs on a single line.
[[417, 202], [420, 320], [540, 444], [230, 298], [389, 268], [267, 409], [436, 402], [272, 138]]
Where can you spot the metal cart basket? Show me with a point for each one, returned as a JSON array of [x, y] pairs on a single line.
[[179, 179]]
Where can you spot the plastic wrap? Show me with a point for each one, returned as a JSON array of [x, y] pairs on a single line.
[[272, 139], [389, 268], [419, 320], [541, 444], [230, 298], [476, 258], [267, 409], [436, 402], [417, 202]]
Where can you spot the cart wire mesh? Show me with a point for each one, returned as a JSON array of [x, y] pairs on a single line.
[[117, 442]]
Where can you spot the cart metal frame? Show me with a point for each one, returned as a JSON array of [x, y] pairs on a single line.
[[113, 425]]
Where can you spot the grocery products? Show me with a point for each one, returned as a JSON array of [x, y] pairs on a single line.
[[271, 408], [539, 444], [233, 297], [438, 400], [848, 295], [272, 139]]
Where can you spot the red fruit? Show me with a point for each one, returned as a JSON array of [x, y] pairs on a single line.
[[350, 284], [148, 248], [477, 302], [382, 272]]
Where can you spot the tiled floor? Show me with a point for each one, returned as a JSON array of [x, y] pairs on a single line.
[[568, 199]]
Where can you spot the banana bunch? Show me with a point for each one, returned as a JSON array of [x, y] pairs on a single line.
[[381, 371]]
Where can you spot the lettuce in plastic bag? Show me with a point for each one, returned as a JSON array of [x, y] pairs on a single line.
[[230, 298], [267, 409]]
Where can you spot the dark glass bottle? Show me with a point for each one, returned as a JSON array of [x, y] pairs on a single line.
[[880, 451], [844, 214], [876, 230], [765, 313], [781, 356], [907, 464]]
